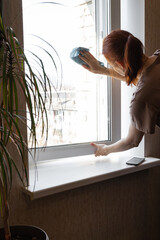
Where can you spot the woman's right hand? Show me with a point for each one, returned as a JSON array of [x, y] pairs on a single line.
[[92, 62], [95, 67]]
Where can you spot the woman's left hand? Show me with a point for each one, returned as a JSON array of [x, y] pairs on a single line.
[[101, 149]]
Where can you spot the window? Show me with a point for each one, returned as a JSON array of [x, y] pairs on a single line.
[[82, 103]]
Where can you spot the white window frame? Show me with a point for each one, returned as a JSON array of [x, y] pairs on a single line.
[[72, 150]]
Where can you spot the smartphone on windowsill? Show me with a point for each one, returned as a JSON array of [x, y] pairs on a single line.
[[135, 161]]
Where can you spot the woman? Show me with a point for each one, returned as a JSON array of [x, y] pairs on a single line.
[[124, 53]]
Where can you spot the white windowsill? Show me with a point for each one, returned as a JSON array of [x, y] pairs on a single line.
[[64, 174]]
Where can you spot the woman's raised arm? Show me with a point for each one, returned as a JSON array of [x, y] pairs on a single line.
[[95, 67]]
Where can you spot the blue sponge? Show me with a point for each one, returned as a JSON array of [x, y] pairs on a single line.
[[75, 56]]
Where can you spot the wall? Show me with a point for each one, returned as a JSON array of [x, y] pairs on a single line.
[[152, 42], [132, 20], [124, 208], [142, 19]]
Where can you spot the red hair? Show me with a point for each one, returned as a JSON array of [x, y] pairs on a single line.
[[122, 46]]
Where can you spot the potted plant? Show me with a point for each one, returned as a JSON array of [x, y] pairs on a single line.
[[17, 75]]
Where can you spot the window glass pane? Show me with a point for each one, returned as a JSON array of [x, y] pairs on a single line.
[[79, 111]]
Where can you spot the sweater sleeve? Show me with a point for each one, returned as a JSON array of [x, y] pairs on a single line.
[[143, 116]]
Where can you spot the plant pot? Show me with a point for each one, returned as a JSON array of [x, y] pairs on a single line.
[[31, 232]]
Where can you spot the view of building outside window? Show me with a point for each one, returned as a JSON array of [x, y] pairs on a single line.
[[79, 111]]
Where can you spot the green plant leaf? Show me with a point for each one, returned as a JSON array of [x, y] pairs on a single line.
[[7, 163], [3, 174]]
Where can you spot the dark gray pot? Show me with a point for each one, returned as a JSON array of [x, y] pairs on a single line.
[[30, 231]]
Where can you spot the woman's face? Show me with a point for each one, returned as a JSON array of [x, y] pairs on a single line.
[[117, 67]]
